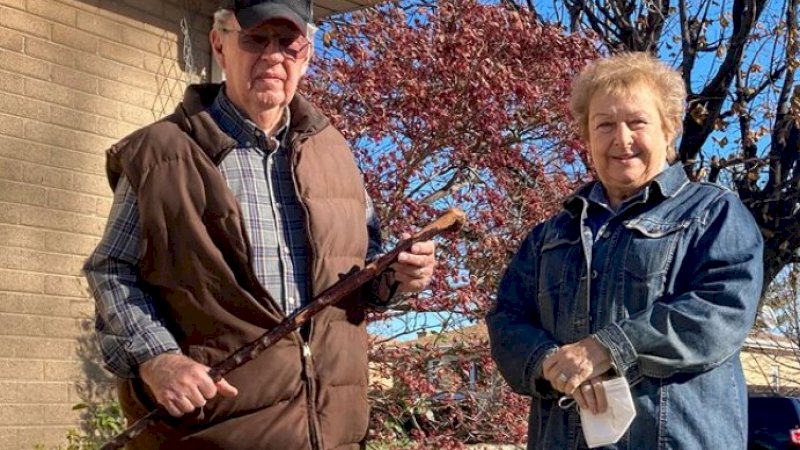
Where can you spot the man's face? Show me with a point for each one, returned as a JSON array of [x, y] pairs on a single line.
[[262, 65]]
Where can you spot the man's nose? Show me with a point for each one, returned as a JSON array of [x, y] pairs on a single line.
[[272, 51]]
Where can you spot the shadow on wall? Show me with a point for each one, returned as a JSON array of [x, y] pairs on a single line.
[[100, 415], [183, 52], [99, 385]]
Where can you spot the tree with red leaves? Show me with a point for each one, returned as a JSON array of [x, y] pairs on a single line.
[[456, 104]]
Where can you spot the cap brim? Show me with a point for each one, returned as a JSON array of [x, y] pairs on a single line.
[[263, 12]]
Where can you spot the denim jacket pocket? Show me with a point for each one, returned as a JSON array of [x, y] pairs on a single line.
[[561, 263], [649, 253]]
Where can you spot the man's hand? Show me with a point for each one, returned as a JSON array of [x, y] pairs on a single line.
[[414, 268], [574, 364], [181, 384]]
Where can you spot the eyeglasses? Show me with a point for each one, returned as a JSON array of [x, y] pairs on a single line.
[[292, 46]]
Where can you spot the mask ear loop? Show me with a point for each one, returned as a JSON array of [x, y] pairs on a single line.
[[566, 402]]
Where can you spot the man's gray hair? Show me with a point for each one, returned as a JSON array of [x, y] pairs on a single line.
[[221, 17]]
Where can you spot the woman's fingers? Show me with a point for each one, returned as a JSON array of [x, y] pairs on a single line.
[[584, 396], [600, 395], [592, 396]]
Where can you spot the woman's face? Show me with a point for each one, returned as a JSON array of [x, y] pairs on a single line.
[[627, 140]]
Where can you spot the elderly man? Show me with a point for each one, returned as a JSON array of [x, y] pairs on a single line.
[[229, 215]]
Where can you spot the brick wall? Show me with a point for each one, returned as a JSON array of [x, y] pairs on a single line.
[[75, 76]]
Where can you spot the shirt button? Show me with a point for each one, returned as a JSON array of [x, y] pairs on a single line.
[[290, 300]]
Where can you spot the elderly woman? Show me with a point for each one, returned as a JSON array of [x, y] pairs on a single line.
[[643, 274]]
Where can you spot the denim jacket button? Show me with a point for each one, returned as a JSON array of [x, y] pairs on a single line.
[[594, 274], [606, 234]]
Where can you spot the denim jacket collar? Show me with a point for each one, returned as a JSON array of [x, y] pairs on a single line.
[[671, 180], [665, 185]]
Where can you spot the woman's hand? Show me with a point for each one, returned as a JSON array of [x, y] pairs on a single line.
[[574, 364], [591, 395]]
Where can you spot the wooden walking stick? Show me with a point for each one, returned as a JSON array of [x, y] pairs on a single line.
[[451, 221]]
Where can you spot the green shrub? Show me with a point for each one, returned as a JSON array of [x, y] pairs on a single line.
[[101, 422]]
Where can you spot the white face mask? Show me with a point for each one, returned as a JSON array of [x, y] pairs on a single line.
[[607, 428]]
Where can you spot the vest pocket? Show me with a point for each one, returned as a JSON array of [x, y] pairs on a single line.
[[344, 356], [341, 365]]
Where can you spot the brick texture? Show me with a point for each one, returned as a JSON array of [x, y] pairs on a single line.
[[10, 82], [11, 40], [75, 77]]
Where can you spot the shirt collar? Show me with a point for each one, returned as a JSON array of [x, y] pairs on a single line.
[[234, 123]]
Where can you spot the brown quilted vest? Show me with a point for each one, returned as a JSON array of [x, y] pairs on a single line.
[[197, 264]]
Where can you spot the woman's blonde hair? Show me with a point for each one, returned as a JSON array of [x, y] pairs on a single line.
[[619, 74]]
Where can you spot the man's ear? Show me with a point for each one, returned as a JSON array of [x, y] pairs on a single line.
[[306, 63], [215, 39]]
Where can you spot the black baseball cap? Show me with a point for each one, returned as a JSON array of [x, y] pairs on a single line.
[[250, 13]]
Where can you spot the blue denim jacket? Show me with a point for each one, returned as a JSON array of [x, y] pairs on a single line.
[[670, 285]]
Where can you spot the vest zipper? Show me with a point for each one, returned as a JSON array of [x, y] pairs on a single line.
[[311, 391], [308, 362]]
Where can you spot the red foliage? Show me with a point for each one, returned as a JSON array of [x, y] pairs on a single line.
[[443, 396], [463, 104]]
